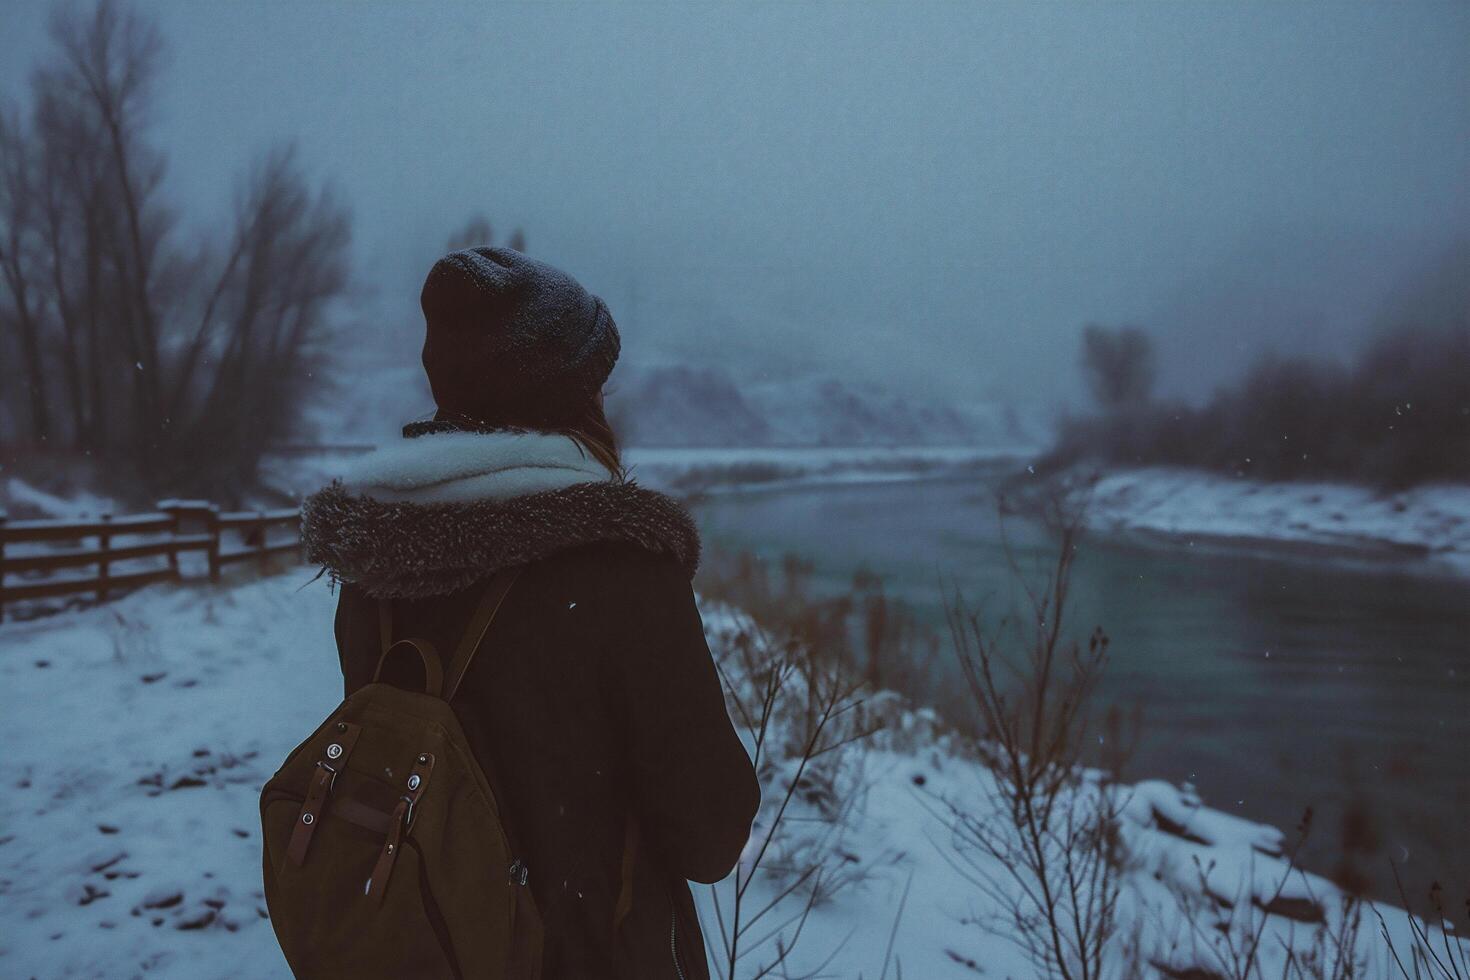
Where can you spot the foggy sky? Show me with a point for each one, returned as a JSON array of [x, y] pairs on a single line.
[[939, 195]]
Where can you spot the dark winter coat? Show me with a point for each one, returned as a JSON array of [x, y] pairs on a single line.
[[594, 698]]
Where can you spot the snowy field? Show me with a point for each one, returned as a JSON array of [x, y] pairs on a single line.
[[1430, 523], [138, 734]]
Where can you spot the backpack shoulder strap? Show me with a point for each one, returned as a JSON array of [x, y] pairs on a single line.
[[385, 625], [433, 669], [474, 634]]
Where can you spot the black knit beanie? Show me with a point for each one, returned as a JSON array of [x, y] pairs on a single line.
[[513, 342]]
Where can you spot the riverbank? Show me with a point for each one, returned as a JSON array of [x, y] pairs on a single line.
[[700, 472], [1428, 525], [131, 839]]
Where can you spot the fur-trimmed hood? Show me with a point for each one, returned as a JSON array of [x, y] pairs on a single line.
[[433, 514]]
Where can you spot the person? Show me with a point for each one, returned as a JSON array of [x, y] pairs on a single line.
[[594, 702]]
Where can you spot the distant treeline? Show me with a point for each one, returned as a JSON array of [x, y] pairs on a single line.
[[1398, 414]]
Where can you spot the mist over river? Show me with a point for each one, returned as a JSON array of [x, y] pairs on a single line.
[[1271, 682]]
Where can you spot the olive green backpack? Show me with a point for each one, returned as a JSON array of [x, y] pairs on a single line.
[[385, 851]]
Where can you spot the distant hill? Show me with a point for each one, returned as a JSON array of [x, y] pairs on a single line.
[[685, 406], [680, 405]]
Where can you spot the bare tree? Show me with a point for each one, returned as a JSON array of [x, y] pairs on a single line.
[[17, 263], [183, 356], [472, 234], [81, 214], [477, 231], [1118, 365], [249, 356], [109, 61]]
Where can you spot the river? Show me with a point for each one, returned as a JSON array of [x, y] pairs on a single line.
[[1269, 682]]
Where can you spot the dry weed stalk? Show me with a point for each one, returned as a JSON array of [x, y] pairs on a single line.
[[1053, 865]]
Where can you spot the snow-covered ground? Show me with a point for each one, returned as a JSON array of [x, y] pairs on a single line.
[[137, 735], [1431, 523]]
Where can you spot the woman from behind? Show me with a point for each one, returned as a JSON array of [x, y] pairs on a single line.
[[593, 703]]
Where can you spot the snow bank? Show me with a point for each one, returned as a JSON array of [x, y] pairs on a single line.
[[717, 470], [1429, 523], [137, 735]]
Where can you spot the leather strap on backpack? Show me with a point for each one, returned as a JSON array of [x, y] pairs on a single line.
[[418, 781], [452, 673], [428, 656], [432, 663], [333, 760]]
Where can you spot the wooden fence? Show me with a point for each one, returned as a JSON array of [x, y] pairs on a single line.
[[179, 526]]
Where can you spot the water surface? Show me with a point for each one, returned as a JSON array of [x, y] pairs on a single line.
[[1270, 682]]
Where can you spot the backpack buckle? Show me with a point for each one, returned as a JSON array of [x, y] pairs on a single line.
[[418, 781], [519, 873], [331, 782]]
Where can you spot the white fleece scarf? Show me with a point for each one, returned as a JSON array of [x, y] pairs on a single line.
[[463, 467]]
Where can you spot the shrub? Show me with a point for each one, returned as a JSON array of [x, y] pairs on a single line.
[[1398, 416]]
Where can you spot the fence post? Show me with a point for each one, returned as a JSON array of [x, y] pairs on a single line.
[[104, 542], [212, 520], [262, 560], [3, 516], [171, 508]]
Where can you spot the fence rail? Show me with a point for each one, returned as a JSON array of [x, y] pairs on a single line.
[[178, 526]]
